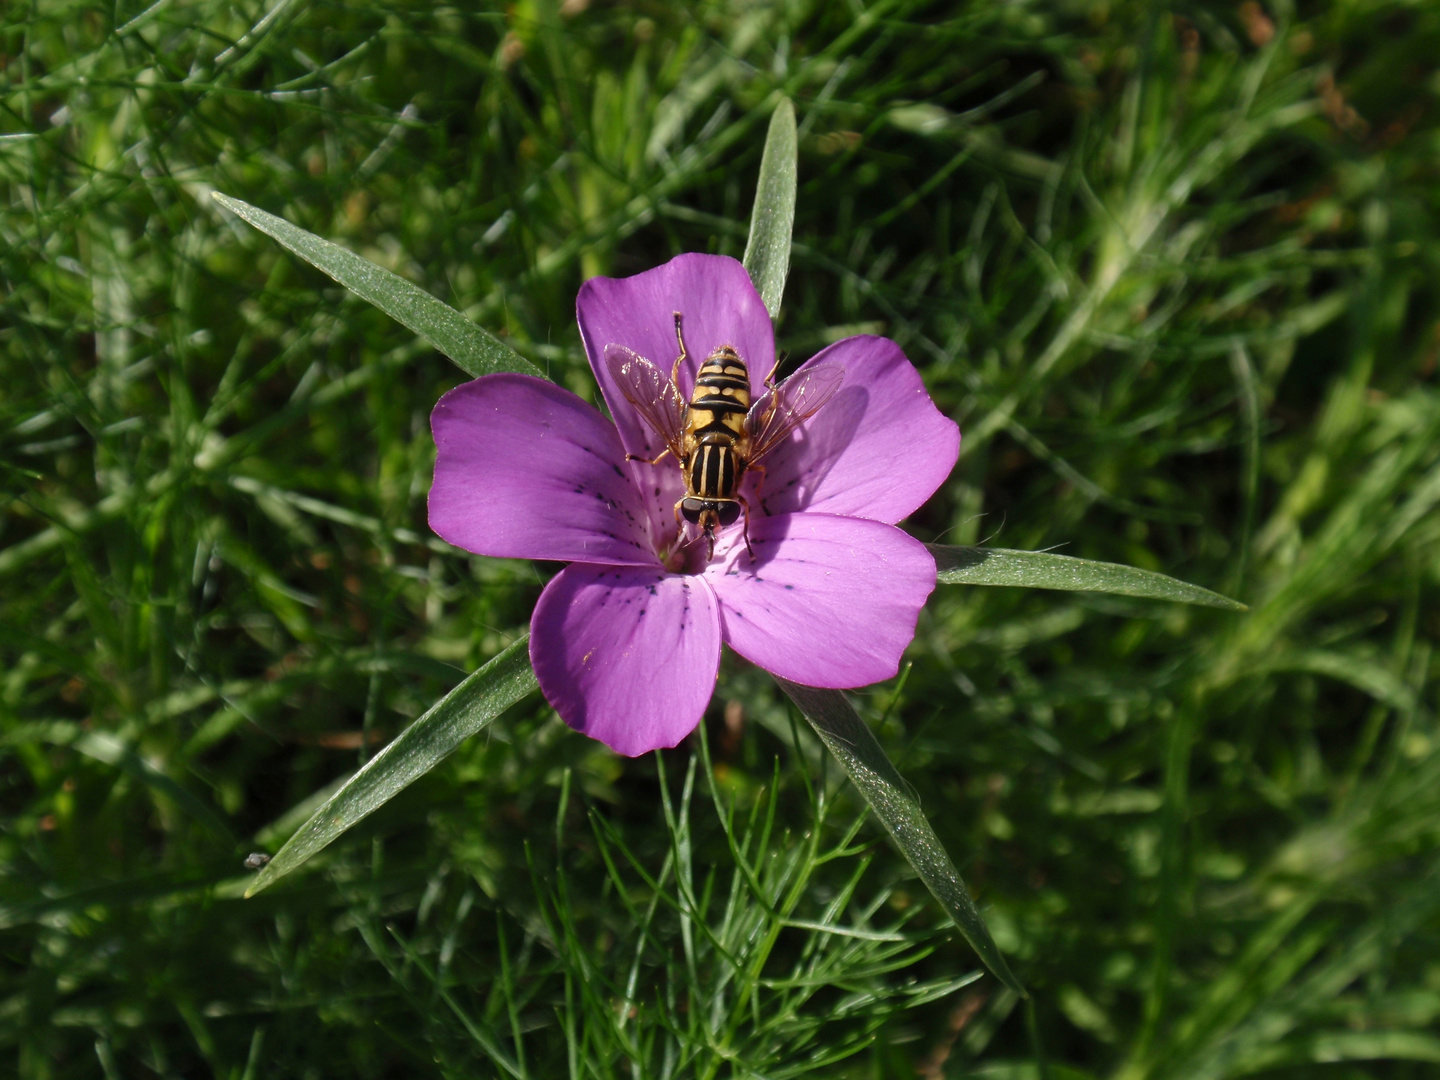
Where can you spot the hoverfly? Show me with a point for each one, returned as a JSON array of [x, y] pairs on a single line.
[[719, 434]]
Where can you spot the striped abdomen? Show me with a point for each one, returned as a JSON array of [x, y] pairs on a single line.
[[716, 443]]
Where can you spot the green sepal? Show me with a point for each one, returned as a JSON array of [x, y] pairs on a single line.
[[767, 252], [467, 709], [474, 350], [852, 743], [1043, 570]]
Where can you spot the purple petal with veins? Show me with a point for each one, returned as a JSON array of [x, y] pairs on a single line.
[[829, 601], [659, 488], [718, 305], [526, 470], [878, 449], [626, 655]]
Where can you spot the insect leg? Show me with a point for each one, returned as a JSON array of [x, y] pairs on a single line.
[[745, 510], [770, 379], [675, 371], [649, 461], [761, 470]]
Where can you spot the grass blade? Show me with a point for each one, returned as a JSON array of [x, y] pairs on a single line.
[[419, 748], [111, 750], [767, 252], [1042, 570], [855, 747], [474, 350]]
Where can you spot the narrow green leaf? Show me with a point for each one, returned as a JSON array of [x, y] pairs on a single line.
[[767, 252], [1042, 570], [1329, 1047], [474, 350], [191, 878], [419, 748], [859, 753]]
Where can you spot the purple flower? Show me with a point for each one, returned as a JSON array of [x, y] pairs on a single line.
[[626, 640]]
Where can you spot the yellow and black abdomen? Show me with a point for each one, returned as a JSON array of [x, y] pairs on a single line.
[[715, 433], [716, 442]]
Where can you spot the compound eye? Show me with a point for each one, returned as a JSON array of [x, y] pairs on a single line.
[[691, 509], [729, 513]]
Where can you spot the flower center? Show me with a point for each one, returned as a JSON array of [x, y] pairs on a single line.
[[684, 554]]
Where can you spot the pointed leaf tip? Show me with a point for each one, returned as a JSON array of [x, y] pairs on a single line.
[[1044, 570], [767, 252], [472, 705], [852, 743], [473, 349]]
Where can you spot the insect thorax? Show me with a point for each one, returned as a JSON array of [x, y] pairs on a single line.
[[721, 397]]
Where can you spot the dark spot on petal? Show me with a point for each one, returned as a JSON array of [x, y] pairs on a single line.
[[789, 586]]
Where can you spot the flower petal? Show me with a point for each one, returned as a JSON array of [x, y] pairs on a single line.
[[626, 655], [527, 470], [878, 449], [661, 487], [829, 601], [718, 305]]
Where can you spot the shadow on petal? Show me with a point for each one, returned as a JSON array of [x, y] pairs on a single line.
[[803, 462]]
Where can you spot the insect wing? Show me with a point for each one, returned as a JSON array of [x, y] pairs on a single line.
[[790, 404], [654, 396]]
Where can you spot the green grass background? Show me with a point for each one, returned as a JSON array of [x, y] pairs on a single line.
[[1173, 268]]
